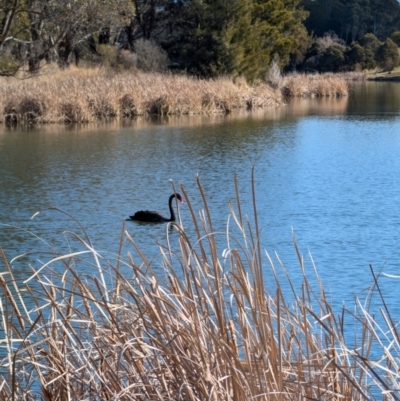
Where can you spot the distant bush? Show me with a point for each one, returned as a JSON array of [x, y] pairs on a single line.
[[127, 59], [108, 55], [150, 56]]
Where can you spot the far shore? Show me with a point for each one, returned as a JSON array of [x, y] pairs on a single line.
[[80, 95], [386, 76]]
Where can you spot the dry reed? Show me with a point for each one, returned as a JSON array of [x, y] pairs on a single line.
[[73, 97], [88, 95], [204, 329], [314, 85]]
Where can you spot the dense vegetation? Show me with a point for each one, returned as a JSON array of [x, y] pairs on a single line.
[[206, 38], [351, 20]]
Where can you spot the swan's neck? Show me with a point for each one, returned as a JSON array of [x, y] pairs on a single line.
[[171, 209]]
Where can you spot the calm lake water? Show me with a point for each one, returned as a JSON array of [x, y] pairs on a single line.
[[327, 168]]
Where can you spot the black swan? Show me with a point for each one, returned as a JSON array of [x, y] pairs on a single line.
[[155, 217]]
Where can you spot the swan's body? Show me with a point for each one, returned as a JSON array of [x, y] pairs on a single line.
[[155, 217]]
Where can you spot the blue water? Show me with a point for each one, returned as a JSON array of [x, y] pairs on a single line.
[[327, 169]]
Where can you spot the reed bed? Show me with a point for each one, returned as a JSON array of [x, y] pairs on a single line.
[[89, 95], [314, 85], [205, 328], [73, 97]]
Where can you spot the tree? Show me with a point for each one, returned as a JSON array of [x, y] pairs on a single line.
[[371, 44], [52, 29], [195, 37], [8, 12], [359, 14], [352, 19], [332, 59], [355, 56], [384, 17], [387, 55], [298, 56], [279, 25], [240, 37], [328, 16], [8, 15], [149, 21]]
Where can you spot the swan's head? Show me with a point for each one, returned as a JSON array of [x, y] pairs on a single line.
[[179, 197]]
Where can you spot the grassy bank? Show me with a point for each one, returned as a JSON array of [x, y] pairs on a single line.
[[87, 95], [205, 328]]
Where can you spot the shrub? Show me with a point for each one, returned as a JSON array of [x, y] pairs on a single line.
[[9, 65], [127, 60], [108, 55], [396, 37], [150, 56]]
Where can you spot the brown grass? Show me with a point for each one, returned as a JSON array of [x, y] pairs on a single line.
[[87, 95], [205, 328], [314, 85], [97, 95]]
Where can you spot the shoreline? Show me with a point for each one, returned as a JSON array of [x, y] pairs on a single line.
[[90, 95], [387, 77]]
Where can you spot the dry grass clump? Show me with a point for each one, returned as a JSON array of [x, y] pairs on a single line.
[[100, 94], [315, 85], [206, 328]]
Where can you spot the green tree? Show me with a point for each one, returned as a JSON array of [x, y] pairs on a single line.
[[332, 59], [359, 14], [240, 37], [195, 37], [384, 18], [387, 55], [352, 19], [298, 56], [355, 56], [327, 16], [371, 44]]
